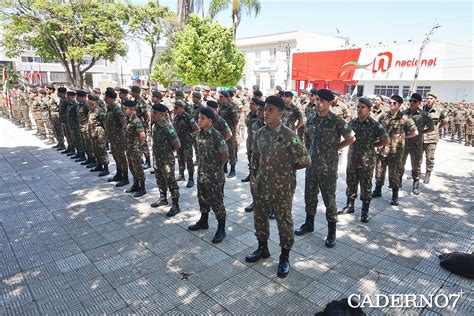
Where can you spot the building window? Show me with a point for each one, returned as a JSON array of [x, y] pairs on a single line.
[[257, 79], [272, 81], [423, 90], [272, 53], [257, 54], [406, 91], [386, 90], [58, 76]]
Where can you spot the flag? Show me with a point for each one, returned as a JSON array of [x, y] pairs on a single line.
[[26, 77], [32, 77], [6, 88], [38, 75]]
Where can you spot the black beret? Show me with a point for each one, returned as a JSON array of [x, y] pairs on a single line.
[[212, 104], [231, 93], [96, 90], [336, 92], [187, 89], [276, 101], [109, 89], [159, 107], [313, 91], [196, 95], [111, 94], [93, 97], [208, 112], [212, 88], [232, 90], [21, 88], [123, 90], [366, 102], [304, 91], [71, 93], [397, 98], [135, 89], [129, 103], [258, 102], [325, 94], [62, 90], [258, 93], [81, 93], [224, 93], [34, 90], [416, 96], [288, 94], [179, 93], [197, 88], [278, 88], [42, 91], [50, 86], [156, 94], [180, 103]]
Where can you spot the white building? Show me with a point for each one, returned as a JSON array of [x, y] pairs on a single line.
[[268, 58]]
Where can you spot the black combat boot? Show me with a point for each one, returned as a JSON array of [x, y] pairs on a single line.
[[202, 223], [61, 147], [133, 188], [67, 151], [117, 177], [190, 183], [246, 179], [141, 189], [364, 217], [331, 238], [307, 227], [349, 208], [124, 180], [225, 167], [249, 208], [271, 213], [416, 187], [92, 164], [181, 176], [284, 265], [261, 252], [174, 208], [162, 201], [105, 171], [377, 191], [71, 153], [232, 172], [147, 164], [220, 233], [76, 156], [97, 168], [81, 158], [56, 146], [427, 177], [394, 197]]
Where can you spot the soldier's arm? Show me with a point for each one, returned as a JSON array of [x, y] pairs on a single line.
[[410, 126], [141, 137], [429, 124], [174, 139], [301, 158], [347, 133], [227, 132], [300, 121], [222, 149]]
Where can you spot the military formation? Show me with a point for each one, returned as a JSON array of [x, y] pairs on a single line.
[[203, 127]]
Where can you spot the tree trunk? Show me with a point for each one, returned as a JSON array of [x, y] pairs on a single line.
[[235, 24], [152, 60]]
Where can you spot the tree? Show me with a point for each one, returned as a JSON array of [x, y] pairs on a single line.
[[237, 6], [13, 75], [163, 70], [205, 51], [76, 33], [150, 23]]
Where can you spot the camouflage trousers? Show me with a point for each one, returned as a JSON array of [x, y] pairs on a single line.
[[282, 205], [47, 123], [98, 145], [233, 148], [394, 163], [118, 152], [211, 195], [362, 176], [416, 156], [39, 123], [185, 158], [77, 138], [145, 148], [134, 159], [429, 150], [469, 140], [87, 143], [240, 129], [326, 183], [458, 130], [67, 133], [164, 175], [57, 128], [25, 115]]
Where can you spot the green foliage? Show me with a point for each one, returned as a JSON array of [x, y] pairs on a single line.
[[163, 70], [13, 75], [206, 52], [237, 7]]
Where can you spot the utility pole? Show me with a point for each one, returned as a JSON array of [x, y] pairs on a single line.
[[420, 56]]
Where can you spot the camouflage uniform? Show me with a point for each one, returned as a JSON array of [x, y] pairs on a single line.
[[54, 102], [324, 137], [63, 109], [115, 126], [341, 110], [249, 121], [46, 117], [243, 108], [83, 118], [184, 125], [414, 145], [36, 110], [97, 134], [273, 178], [24, 109], [290, 116], [230, 114], [221, 125], [309, 109], [141, 112], [361, 157], [195, 108], [376, 113], [391, 155], [133, 148], [459, 116], [211, 180], [74, 126], [164, 139], [469, 141], [430, 140]]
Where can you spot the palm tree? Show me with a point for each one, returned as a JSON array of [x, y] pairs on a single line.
[[237, 6]]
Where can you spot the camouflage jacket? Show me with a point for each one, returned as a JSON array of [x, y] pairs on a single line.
[[249, 121], [210, 144], [375, 114], [341, 109], [362, 152], [290, 116], [142, 110], [36, 104], [164, 138], [72, 118], [422, 120], [229, 113], [83, 116], [184, 125], [309, 109], [63, 109], [396, 125], [221, 125], [53, 103], [44, 104], [195, 110], [459, 116], [275, 152], [115, 123], [438, 115], [133, 127], [96, 120]]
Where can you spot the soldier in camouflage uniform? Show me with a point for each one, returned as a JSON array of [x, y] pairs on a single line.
[[378, 109], [277, 153], [165, 143], [414, 145], [45, 115], [252, 117], [73, 124], [36, 110], [54, 102], [185, 126], [459, 117], [361, 158], [63, 104], [243, 107], [96, 124], [469, 141], [230, 114], [83, 118], [134, 140], [23, 104], [123, 96], [340, 108], [398, 127], [325, 130], [219, 123], [212, 154], [292, 116], [142, 114], [115, 126]]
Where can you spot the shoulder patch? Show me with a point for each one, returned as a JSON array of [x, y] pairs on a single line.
[[296, 140], [171, 130], [222, 142]]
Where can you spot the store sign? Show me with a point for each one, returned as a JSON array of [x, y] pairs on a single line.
[[265, 68]]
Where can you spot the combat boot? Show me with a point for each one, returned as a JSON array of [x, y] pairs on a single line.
[[394, 197], [147, 164], [56, 146], [364, 217], [427, 177], [377, 191], [81, 158], [416, 187], [271, 213], [349, 208], [261, 252], [97, 168], [117, 177], [181, 176], [249, 208], [76, 156], [92, 164], [61, 147], [190, 183], [133, 188], [124, 180], [246, 179], [141, 189], [202, 223], [162, 201], [105, 171], [174, 208], [307, 227], [71, 153], [225, 167], [220, 233], [284, 265], [67, 151], [232, 172], [88, 161], [331, 237]]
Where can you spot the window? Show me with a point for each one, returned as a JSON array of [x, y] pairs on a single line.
[[257, 77], [58, 77], [423, 90], [406, 91], [257, 54], [272, 81], [386, 90], [272, 53]]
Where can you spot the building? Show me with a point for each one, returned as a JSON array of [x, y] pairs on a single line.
[[446, 68], [269, 57]]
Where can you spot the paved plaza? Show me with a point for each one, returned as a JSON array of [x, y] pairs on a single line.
[[71, 243]]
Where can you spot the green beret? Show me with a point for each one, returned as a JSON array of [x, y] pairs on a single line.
[[179, 93], [208, 112], [276, 101], [42, 91], [325, 94], [135, 89], [111, 94], [258, 102], [62, 90], [81, 93], [157, 94], [224, 93], [288, 94], [159, 107], [397, 98], [93, 97], [365, 101], [313, 91], [196, 95], [34, 91]]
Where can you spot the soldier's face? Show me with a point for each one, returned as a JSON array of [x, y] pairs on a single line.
[[312, 98], [394, 106], [71, 98], [155, 100], [134, 94], [196, 100], [272, 114], [128, 111], [378, 101], [204, 122], [178, 110], [261, 113], [414, 104], [323, 105], [81, 99], [363, 110], [288, 100], [158, 115], [430, 101], [253, 106]]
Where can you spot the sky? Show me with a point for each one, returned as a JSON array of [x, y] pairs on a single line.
[[364, 22]]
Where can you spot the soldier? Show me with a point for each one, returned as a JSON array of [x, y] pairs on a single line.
[[134, 140], [310, 108], [185, 126], [196, 106], [165, 143], [277, 153], [63, 105], [24, 108], [36, 110], [45, 116], [340, 108], [252, 117], [469, 141], [230, 114], [378, 108], [258, 94], [398, 127], [212, 154], [96, 123], [243, 108], [325, 130], [459, 116], [123, 95], [292, 116], [74, 125], [115, 126], [83, 109], [414, 145], [54, 101], [369, 134], [142, 114], [219, 123]]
